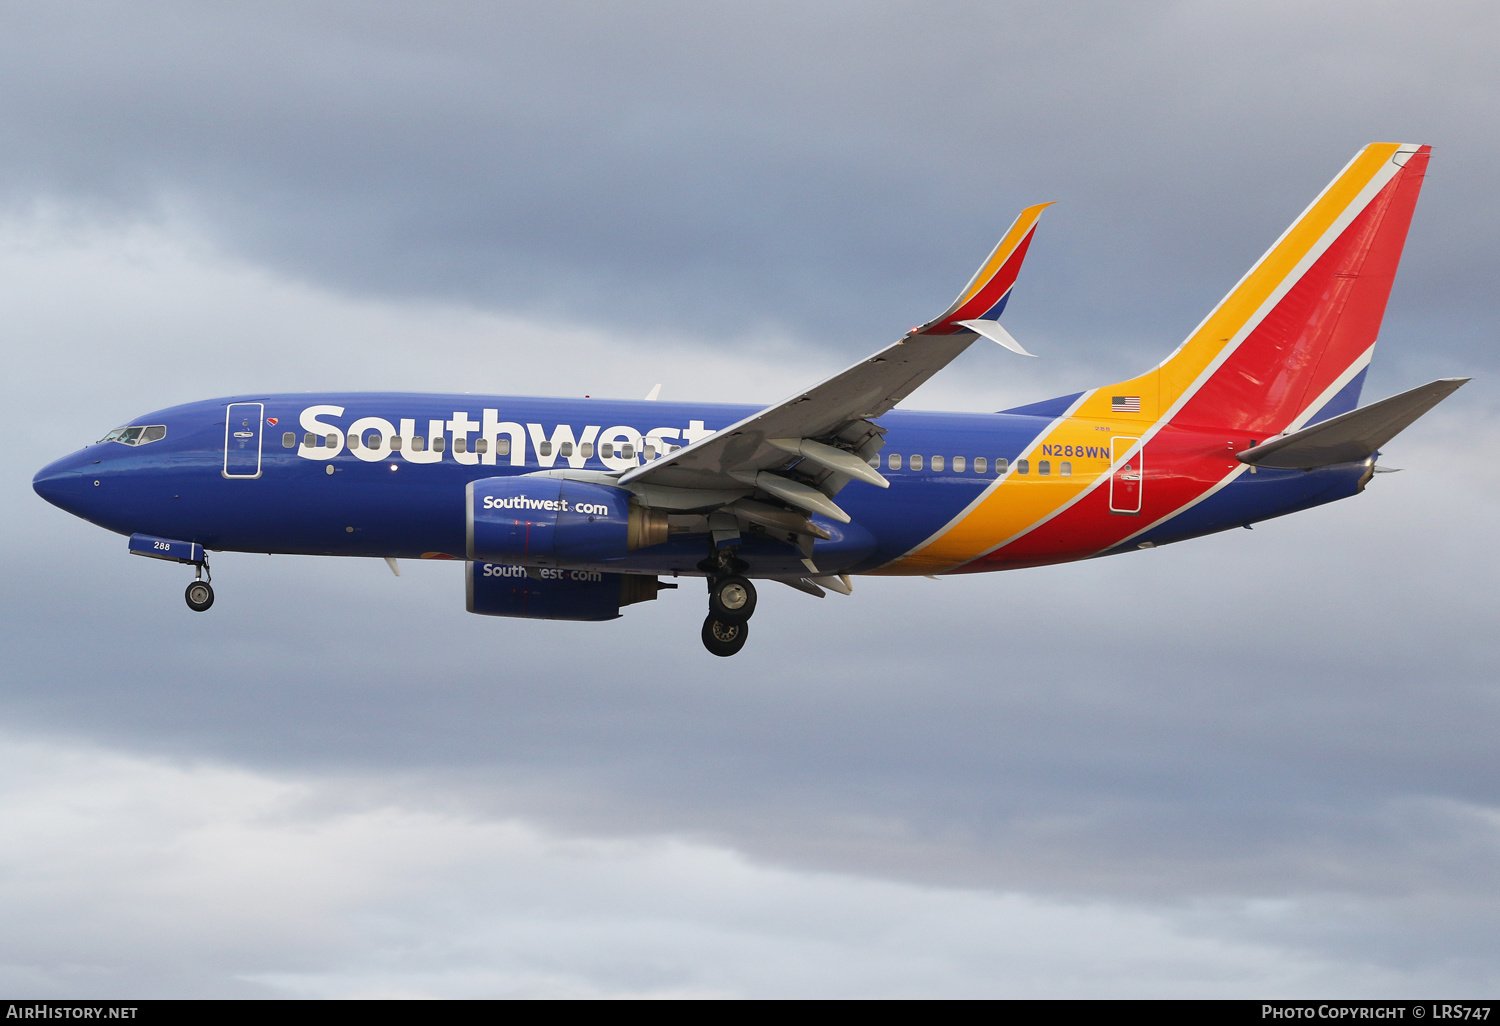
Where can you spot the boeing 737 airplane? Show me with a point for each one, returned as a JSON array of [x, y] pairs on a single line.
[[571, 509]]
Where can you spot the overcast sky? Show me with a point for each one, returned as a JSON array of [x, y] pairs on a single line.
[[1256, 764]]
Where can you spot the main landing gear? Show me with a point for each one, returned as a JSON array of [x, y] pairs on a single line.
[[200, 593], [731, 601]]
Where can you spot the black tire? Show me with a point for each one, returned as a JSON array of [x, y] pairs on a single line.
[[199, 596], [724, 637], [731, 598]]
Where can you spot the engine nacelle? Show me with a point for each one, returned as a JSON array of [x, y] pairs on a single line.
[[548, 521], [500, 589]]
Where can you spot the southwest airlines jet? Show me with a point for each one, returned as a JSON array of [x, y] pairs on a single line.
[[572, 509]]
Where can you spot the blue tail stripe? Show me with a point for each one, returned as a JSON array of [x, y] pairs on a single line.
[[994, 312], [1346, 399]]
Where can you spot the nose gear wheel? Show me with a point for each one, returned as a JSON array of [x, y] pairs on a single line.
[[199, 595]]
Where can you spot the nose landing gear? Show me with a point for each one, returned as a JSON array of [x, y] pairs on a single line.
[[200, 593], [731, 601]]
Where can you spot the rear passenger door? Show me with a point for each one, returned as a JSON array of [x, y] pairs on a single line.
[[1125, 477]]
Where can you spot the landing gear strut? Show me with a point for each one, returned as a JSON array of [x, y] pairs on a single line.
[[200, 594], [731, 601]]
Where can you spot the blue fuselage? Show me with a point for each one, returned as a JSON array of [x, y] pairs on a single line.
[[268, 490]]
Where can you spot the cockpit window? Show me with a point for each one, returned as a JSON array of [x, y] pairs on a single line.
[[137, 434]]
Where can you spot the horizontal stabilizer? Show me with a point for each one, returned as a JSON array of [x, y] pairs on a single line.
[[1353, 436]]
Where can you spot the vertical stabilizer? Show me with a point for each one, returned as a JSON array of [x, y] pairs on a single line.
[[1290, 342]]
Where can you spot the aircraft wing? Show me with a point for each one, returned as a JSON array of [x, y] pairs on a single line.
[[804, 449]]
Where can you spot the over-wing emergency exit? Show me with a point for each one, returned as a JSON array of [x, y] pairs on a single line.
[[574, 509]]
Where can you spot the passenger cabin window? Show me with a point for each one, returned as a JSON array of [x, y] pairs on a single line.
[[627, 451], [481, 445], [565, 449], [333, 441], [937, 463], [1065, 469], [649, 451], [418, 443], [981, 465], [502, 447], [1023, 467], [586, 450], [439, 443], [545, 449], [395, 443], [916, 463], [959, 464], [1044, 467], [289, 440], [893, 462], [607, 450], [1002, 465], [307, 440], [875, 461]]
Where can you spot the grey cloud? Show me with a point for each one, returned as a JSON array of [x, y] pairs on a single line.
[[836, 170]]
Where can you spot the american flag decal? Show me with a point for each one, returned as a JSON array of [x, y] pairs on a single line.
[[1124, 404]]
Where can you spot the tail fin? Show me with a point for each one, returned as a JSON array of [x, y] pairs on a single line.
[[1290, 343]]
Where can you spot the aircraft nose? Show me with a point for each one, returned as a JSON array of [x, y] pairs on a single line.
[[61, 483]]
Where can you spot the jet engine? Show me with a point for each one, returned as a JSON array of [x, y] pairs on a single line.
[[499, 589], [549, 521]]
